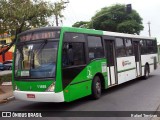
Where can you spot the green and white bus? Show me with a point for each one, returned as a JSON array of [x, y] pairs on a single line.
[[62, 64]]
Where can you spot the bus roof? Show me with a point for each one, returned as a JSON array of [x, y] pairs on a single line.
[[90, 31], [116, 34], [40, 29]]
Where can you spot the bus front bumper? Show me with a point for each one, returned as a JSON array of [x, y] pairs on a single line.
[[39, 96]]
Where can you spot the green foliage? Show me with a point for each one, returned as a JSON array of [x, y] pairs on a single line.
[[19, 15], [81, 24], [58, 7], [116, 19], [57, 10], [23, 14]]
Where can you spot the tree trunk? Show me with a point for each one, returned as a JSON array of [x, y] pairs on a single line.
[[19, 30], [3, 56]]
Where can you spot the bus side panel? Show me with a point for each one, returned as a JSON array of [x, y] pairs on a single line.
[[80, 90], [82, 83], [59, 85], [148, 58], [126, 69]]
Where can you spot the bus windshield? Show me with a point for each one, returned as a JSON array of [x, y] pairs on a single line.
[[36, 59]]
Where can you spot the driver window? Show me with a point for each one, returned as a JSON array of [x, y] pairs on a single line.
[[73, 50]]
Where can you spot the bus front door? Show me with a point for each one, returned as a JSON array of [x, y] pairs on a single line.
[[137, 54], [111, 62]]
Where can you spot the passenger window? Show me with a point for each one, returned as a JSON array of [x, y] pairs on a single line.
[[148, 46], [129, 48], [120, 47], [95, 47], [144, 49]]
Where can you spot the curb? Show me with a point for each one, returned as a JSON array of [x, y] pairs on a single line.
[[10, 98], [3, 101], [7, 100]]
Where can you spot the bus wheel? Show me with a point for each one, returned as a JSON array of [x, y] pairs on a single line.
[[146, 72], [96, 88]]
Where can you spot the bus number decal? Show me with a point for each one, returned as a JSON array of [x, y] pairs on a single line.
[[89, 73], [104, 68], [41, 86]]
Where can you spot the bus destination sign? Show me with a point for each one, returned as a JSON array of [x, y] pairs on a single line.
[[39, 36]]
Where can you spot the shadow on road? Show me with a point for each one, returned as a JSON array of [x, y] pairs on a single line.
[[39, 106]]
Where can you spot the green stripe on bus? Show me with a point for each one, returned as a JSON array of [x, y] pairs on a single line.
[[79, 82], [126, 70], [82, 30]]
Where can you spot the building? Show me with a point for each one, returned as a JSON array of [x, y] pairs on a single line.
[[5, 39]]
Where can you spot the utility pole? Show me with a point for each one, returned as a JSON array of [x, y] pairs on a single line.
[[149, 29]]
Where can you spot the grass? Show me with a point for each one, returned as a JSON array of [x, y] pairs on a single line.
[[5, 78]]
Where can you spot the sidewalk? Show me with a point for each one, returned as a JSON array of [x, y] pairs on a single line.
[[6, 93]]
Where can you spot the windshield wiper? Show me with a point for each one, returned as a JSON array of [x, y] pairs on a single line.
[[42, 45], [40, 48]]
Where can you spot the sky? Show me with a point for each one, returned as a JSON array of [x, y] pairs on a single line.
[[83, 10]]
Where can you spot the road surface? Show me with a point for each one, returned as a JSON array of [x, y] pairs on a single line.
[[135, 95]]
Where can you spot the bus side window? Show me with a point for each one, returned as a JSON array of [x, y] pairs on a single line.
[[95, 47], [73, 54], [73, 50], [120, 47], [67, 56], [129, 48]]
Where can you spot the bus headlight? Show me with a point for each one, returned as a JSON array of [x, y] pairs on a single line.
[[51, 88], [15, 87]]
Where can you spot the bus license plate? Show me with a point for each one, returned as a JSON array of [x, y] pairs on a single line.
[[30, 95]]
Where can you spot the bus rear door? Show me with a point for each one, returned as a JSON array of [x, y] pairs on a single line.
[[111, 61], [137, 54]]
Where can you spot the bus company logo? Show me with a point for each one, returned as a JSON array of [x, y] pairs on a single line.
[[124, 63], [152, 57]]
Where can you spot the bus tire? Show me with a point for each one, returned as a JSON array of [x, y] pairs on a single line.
[[146, 72], [96, 88]]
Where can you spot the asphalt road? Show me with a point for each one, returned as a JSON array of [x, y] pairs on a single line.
[[135, 95]]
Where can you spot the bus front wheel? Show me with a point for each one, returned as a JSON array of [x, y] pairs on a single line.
[[96, 88]]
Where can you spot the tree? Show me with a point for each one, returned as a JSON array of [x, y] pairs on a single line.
[[81, 24], [19, 15], [117, 19], [58, 7]]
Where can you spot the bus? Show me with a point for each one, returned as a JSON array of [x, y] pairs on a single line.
[[62, 64]]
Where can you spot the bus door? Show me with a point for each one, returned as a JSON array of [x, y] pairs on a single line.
[[137, 53], [111, 62]]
